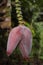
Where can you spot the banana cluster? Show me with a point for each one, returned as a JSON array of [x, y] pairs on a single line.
[[5, 17]]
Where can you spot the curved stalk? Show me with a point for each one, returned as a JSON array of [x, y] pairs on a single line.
[[19, 12]]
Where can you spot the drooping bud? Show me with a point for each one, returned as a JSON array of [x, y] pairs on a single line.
[[20, 36]]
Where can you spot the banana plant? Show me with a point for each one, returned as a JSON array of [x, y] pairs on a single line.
[[20, 36]]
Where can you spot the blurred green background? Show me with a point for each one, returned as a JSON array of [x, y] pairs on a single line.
[[32, 12]]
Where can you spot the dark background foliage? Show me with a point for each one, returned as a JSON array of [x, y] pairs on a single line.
[[32, 12]]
